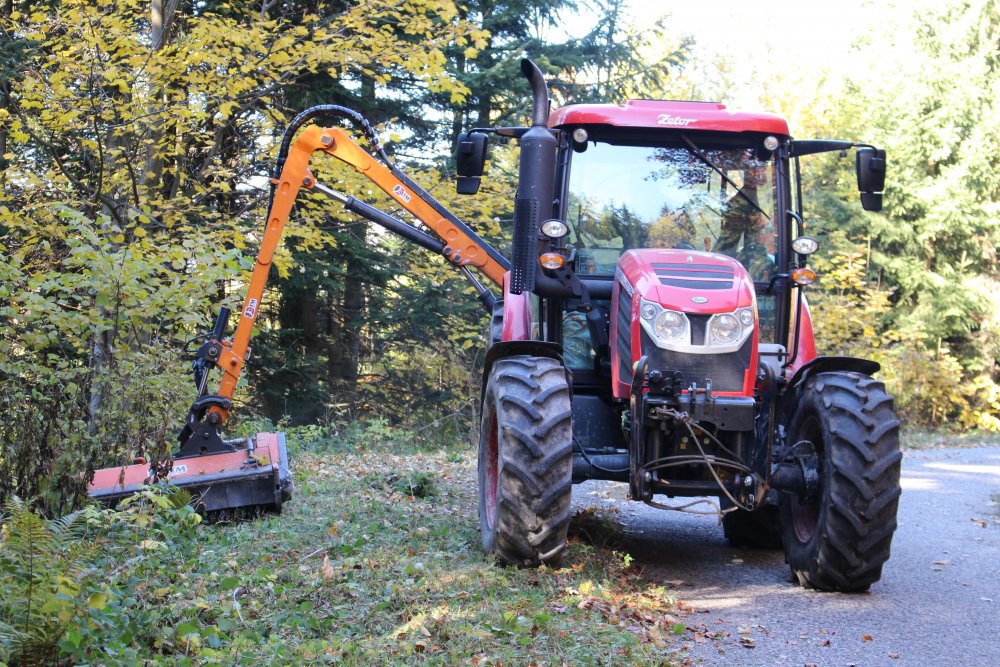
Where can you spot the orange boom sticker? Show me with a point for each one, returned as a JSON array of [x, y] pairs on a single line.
[[251, 309]]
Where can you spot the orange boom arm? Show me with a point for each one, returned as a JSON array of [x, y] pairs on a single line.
[[459, 244]]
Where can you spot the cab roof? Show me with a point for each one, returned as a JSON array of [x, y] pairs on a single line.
[[659, 114]]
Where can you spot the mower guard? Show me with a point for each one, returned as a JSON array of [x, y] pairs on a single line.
[[234, 480]]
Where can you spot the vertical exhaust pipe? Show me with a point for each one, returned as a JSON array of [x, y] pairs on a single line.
[[536, 182]]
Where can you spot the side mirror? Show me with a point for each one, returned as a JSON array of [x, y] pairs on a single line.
[[870, 166], [470, 159]]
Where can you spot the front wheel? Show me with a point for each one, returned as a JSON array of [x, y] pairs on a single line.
[[839, 539], [526, 461]]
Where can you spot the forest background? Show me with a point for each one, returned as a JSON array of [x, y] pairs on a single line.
[[136, 138]]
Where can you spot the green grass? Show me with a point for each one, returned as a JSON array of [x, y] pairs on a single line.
[[375, 561]]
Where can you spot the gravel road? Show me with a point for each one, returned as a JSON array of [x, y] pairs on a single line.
[[938, 602]]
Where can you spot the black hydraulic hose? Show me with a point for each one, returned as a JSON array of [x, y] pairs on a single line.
[[309, 114], [328, 110], [360, 121]]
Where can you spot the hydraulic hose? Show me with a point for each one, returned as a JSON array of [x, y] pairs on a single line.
[[313, 112]]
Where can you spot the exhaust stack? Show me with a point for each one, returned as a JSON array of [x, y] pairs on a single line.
[[533, 203]]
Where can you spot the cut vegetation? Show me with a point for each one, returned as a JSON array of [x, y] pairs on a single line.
[[377, 563]]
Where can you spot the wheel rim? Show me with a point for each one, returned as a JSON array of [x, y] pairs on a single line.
[[491, 472], [805, 516]]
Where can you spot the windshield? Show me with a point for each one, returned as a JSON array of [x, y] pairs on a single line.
[[623, 197]]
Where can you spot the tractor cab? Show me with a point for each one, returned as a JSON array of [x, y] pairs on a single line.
[[680, 207]]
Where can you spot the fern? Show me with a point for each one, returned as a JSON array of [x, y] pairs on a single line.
[[40, 561]]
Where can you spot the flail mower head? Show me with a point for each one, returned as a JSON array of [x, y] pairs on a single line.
[[252, 477], [233, 478]]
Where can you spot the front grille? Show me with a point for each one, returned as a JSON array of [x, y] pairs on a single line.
[[695, 276], [624, 335], [724, 370]]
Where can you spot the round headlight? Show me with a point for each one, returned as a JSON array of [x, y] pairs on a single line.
[[746, 317], [725, 328], [805, 245], [670, 325], [648, 311], [554, 229]]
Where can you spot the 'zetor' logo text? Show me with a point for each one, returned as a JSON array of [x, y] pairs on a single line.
[[667, 119]]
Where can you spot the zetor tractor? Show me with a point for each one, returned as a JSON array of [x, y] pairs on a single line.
[[653, 331]]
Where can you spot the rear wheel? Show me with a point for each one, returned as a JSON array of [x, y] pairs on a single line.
[[839, 540], [760, 529], [526, 461]]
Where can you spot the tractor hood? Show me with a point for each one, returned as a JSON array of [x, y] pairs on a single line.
[[688, 281], [688, 312]]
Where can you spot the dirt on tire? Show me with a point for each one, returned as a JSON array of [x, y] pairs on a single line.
[[526, 461], [839, 541]]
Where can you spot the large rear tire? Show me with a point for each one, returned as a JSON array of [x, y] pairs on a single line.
[[526, 461], [840, 540]]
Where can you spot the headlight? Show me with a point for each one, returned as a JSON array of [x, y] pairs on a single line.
[[554, 229], [670, 325], [805, 245], [665, 327], [725, 329]]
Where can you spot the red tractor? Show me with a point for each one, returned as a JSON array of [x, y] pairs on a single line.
[[652, 330]]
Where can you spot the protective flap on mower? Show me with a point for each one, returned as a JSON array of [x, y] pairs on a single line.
[[221, 481]]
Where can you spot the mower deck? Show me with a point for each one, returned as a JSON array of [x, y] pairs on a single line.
[[237, 480]]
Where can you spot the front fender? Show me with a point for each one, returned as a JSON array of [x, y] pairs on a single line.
[[827, 364], [530, 348]]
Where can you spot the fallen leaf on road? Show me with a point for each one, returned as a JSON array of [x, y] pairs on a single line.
[[326, 570], [746, 642], [744, 630], [941, 562], [866, 638], [979, 522], [825, 642], [894, 656]]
